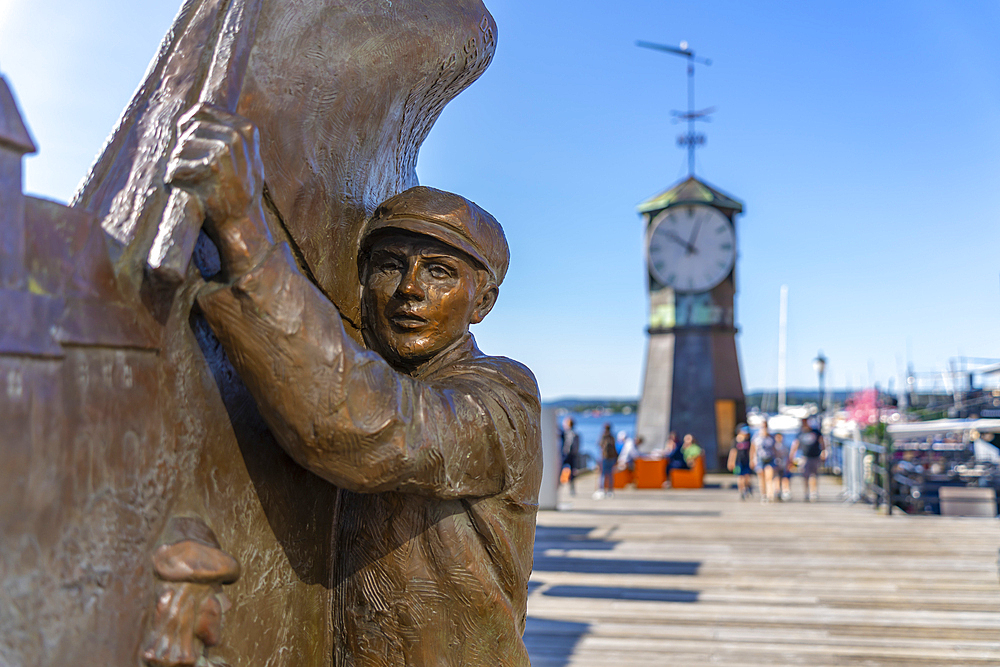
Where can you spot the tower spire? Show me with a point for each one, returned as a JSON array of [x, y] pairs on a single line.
[[690, 139]]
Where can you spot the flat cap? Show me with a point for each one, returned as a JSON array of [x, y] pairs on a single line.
[[447, 217]]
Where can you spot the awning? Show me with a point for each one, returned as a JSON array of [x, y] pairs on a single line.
[[923, 429]]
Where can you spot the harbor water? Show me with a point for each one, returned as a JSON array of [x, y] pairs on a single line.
[[590, 425]]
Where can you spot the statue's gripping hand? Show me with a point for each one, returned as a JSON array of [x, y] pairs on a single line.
[[217, 160]]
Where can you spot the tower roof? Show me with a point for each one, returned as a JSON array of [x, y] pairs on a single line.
[[13, 133], [691, 191]]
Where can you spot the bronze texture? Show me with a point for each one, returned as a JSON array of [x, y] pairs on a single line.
[[163, 457]]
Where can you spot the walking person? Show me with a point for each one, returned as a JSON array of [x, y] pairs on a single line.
[[762, 457], [810, 445], [609, 457], [782, 468], [570, 451], [739, 463]]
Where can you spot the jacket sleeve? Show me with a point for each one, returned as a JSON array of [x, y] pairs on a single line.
[[343, 413]]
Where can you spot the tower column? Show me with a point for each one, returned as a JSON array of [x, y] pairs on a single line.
[[693, 405], [653, 419]]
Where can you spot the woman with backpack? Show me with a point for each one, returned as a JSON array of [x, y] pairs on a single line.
[[609, 458], [763, 457]]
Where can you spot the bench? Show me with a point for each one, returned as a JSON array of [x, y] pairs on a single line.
[[650, 473], [623, 478], [693, 478]]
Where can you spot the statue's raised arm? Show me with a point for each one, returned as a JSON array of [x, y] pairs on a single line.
[[435, 446]]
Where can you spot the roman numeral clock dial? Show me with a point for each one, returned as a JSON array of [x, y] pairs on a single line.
[[691, 248]]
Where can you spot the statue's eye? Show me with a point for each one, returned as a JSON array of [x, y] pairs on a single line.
[[387, 264], [439, 271]]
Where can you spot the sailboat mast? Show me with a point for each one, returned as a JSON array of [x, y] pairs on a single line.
[[782, 345]]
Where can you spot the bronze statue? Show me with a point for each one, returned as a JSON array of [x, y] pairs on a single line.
[[147, 491], [435, 447]]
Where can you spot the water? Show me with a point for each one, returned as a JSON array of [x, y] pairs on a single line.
[[590, 429]]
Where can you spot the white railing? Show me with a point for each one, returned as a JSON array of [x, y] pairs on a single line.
[[854, 475]]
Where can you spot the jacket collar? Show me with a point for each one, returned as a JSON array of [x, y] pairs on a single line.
[[463, 348]]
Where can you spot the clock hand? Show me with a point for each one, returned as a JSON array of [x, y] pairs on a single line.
[[673, 237], [694, 235]]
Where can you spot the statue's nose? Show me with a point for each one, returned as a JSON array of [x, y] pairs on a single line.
[[410, 284]]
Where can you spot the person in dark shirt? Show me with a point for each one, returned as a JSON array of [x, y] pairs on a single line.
[[809, 444], [570, 452], [739, 463], [675, 458]]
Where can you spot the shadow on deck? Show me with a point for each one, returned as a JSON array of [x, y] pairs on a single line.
[[696, 577]]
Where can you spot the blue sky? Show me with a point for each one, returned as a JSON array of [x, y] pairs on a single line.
[[864, 139]]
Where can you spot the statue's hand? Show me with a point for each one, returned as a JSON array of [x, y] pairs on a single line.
[[217, 160], [191, 570]]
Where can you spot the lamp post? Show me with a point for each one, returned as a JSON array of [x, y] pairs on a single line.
[[819, 365]]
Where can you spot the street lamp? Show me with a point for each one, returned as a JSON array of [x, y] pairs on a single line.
[[819, 365]]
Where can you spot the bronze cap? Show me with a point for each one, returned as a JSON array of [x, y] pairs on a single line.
[[447, 217]]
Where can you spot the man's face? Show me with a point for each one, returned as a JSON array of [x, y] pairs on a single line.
[[419, 297]]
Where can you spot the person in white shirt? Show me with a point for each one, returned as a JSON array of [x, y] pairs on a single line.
[[629, 452]]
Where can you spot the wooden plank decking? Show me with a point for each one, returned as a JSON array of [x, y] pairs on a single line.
[[699, 578]]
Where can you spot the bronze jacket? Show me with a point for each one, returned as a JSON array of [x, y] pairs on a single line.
[[438, 473]]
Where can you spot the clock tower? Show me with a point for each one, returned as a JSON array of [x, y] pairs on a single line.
[[692, 382]]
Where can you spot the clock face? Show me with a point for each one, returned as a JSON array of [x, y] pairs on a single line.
[[691, 248]]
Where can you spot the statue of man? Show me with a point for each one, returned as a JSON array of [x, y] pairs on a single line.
[[434, 446]]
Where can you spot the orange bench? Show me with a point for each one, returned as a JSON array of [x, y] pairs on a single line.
[[622, 478], [650, 473], [689, 479]]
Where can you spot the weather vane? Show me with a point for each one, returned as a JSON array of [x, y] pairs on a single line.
[[690, 139]]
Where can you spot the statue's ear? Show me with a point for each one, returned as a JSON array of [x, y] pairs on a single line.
[[484, 303]]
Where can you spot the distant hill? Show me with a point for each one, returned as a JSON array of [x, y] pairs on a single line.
[[754, 399], [792, 397], [585, 404], [769, 398]]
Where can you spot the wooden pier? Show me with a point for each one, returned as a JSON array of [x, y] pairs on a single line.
[[696, 577]]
